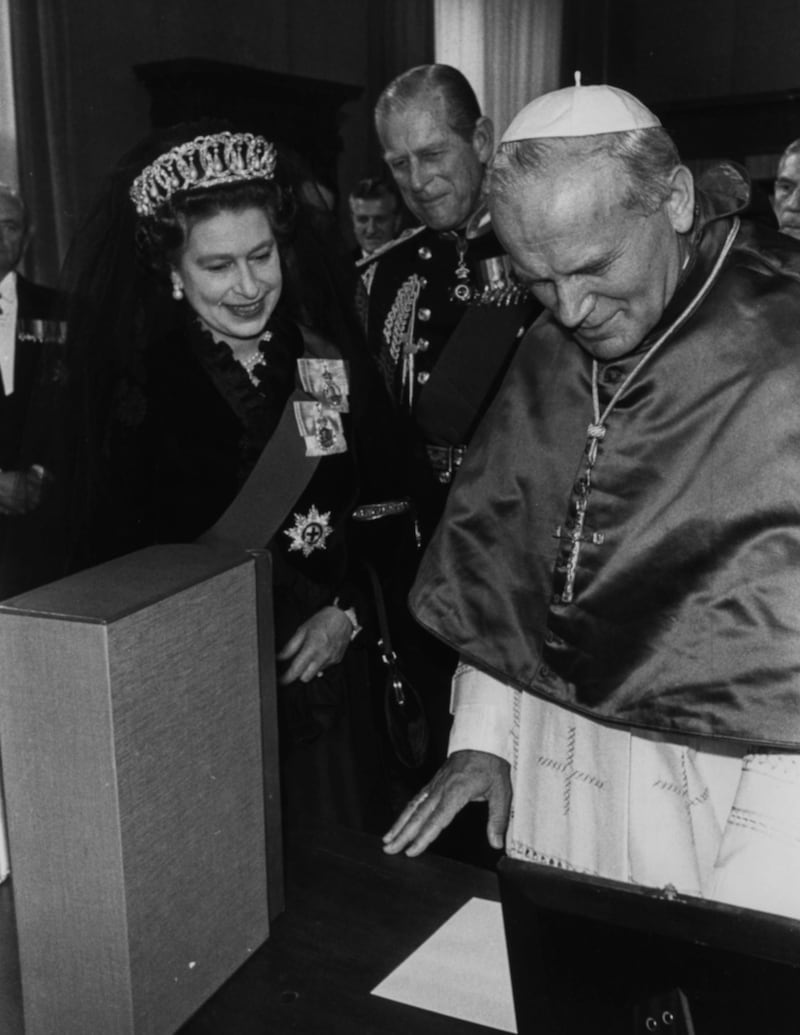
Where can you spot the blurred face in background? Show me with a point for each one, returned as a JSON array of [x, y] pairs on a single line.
[[13, 236], [230, 272], [438, 172], [786, 198], [375, 221]]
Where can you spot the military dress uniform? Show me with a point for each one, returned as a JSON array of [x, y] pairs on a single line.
[[444, 319]]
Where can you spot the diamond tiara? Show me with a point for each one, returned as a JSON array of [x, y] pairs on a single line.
[[202, 162]]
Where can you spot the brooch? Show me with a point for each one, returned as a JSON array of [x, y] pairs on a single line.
[[326, 380], [320, 428], [309, 532]]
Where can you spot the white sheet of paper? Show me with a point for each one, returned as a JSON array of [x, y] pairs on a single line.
[[460, 971]]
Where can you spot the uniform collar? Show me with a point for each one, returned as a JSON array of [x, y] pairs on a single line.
[[8, 287]]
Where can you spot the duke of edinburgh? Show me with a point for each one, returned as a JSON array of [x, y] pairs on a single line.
[[444, 318], [445, 313]]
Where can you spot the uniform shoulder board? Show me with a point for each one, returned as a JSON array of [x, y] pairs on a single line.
[[384, 248]]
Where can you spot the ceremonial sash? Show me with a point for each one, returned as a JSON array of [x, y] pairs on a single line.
[[272, 488], [279, 477]]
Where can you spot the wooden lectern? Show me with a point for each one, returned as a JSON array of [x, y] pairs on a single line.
[[142, 800]]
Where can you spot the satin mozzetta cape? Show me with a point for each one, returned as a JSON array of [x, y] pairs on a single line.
[[686, 615]]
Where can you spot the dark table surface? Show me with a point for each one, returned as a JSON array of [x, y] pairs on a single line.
[[352, 915]]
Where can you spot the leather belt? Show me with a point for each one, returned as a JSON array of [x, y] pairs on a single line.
[[445, 460]]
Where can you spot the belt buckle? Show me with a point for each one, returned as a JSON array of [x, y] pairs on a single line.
[[454, 455], [376, 511], [445, 475]]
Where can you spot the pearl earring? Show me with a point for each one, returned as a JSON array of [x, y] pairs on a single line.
[[177, 287]]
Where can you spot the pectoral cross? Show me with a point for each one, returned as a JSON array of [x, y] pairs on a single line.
[[578, 534]]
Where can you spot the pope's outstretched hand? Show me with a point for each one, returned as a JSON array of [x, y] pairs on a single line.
[[466, 776]]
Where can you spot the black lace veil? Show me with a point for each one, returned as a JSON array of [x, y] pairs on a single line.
[[119, 305]]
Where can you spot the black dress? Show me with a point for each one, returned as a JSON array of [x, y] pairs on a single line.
[[186, 436]]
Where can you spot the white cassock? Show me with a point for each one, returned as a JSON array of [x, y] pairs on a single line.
[[719, 820]]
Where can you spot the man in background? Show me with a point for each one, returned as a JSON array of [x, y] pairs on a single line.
[[786, 191], [31, 339], [442, 291], [375, 213], [445, 316]]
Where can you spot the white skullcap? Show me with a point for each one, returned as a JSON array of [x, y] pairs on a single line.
[[579, 111]]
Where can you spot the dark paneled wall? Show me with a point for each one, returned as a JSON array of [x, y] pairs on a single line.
[[723, 75], [358, 44], [109, 107], [678, 50]]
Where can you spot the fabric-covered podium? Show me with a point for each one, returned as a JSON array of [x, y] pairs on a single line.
[[138, 738]]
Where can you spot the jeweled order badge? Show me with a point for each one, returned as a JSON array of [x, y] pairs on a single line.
[[326, 381], [310, 531], [321, 428]]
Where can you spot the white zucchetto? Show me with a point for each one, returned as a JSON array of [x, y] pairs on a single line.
[[580, 111]]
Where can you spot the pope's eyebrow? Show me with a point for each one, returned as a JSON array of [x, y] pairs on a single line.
[[596, 266], [599, 264]]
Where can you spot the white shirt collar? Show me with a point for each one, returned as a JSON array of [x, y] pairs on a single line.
[[8, 287], [8, 330]]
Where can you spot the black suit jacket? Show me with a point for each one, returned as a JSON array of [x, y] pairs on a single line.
[[40, 341], [30, 432]]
